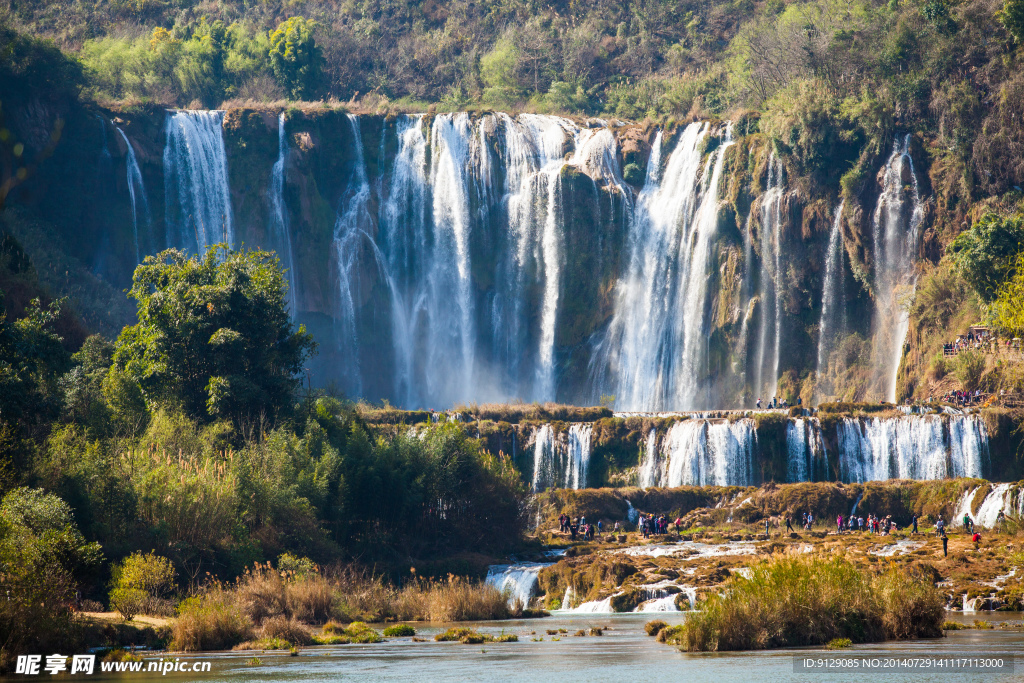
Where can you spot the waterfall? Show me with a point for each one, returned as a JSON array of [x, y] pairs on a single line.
[[833, 300], [197, 195], [656, 343], [705, 453], [136, 191], [451, 308], [771, 280], [279, 213], [804, 448], [649, 474], [895, 227], [519, 580], [561, 460], [350, 240], [920, 447], [999, 499], [105, 158]]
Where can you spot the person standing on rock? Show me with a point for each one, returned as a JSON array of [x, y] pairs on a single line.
[[914, 522], [945, 543]]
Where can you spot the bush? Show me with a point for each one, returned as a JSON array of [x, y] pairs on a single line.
[[969, 367], [655, 627], [952, 626], [209, 622], [839, 643], [810, 601], [129, 602], [399, 631], [287, 629], [139, 581]]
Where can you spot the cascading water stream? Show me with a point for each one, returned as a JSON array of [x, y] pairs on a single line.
[[656, 341], [279, 213], [895, 233], [197, 195], [771, 281], [833, 300], [561, 460], [137, 193], [350, 237]]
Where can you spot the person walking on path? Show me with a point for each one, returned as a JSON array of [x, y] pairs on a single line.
[[915, 523], [945, 544], [789, 527]]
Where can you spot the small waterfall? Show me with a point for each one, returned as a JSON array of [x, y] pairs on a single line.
[[350, 239], [833, 300], [856, 503], [805, 447], [198, 197], [895, 234], [920, 447], [105, 157], [656, 343], [561, 460], [771, 281], [708, 453], [649, 474], [519, 580], [137, 193], [279, 213], [999, 499]]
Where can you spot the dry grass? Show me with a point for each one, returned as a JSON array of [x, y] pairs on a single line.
[[210, 622], [283, 628]]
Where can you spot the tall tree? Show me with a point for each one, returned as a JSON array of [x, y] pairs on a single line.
[[213, 336]]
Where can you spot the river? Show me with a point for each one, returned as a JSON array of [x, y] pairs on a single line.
[[623, 653]]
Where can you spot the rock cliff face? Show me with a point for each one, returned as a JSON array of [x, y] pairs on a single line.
[[456, 258]]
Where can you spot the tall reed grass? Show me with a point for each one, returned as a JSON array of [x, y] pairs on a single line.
[[810, 601], [282, 604]]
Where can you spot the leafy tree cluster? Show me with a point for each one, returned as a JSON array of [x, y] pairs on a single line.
[[188, 447]]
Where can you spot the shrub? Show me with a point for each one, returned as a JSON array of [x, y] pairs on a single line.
[[655, 627], [809, 601], [284, 628], [209, 622], [952, 626], [839, 643], [468, 636], [129, 602], [138, 583], [399, 631], [359, 632], [969, 367]]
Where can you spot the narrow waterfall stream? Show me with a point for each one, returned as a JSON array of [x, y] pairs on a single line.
[[833, 302], [279, 227], [137, 193], [895, 232]]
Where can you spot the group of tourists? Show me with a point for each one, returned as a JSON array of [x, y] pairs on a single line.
[[579, 527], [963, 398], [777, 402], [874, 524], [649, 524]]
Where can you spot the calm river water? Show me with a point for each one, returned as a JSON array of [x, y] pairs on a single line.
[[624, 653]]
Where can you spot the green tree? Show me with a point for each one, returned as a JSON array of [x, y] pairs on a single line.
[[32, 360], [986, 255], [1009, 304], [214, 337], [1012, 16], [295, 56], [138, 582]]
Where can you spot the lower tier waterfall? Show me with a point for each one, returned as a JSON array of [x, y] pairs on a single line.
[[753, 448]]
